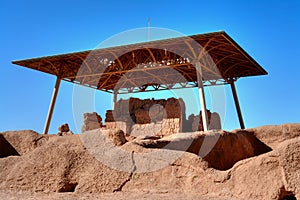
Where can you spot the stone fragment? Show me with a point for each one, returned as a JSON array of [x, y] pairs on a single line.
[[117, 137], [64, 130]]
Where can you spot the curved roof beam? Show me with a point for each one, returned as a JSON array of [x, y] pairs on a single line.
[[117, 58], [151, 54], [53, 66]]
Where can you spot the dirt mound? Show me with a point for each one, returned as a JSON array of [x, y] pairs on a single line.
[[24, 141], [64, 164], [60, 165]]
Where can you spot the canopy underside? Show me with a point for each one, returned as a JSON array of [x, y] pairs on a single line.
[[157, 65]]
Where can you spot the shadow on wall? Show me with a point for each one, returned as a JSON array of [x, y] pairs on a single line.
[[6, 149]]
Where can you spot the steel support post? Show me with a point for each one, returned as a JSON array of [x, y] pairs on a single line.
[[52, 104], [202, 97], [237, 105]]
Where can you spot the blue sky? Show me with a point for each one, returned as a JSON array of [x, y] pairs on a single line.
[[268, 30]]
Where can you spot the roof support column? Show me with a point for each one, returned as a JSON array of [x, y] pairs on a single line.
[[52, 104], [114, 100], [237, 104], [202, 97]]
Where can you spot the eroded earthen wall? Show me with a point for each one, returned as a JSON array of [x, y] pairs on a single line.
[[149, 117]]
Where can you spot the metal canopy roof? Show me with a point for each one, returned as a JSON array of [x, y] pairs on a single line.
[[155, 65]]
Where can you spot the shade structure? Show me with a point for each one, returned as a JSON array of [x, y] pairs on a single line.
[[190, 61], [156, 65]]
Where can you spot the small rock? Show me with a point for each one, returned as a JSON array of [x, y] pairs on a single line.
[[64, 130], [117, 137]]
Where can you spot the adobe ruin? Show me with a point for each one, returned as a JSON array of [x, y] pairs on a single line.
[[150, 117]]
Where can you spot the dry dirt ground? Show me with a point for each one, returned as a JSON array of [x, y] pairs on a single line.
[[260, 163], [25, 195]]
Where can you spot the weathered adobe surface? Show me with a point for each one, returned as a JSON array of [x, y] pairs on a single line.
[[139, 110], [160, 117], [61, 164], [135, 116]]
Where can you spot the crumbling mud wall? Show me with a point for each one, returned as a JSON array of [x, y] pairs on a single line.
[[151, 117], [148, 116], [148, 110]]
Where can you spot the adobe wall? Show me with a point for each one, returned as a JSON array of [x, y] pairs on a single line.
[[144, 111], [151, 117], [147, 117], [91, 121]]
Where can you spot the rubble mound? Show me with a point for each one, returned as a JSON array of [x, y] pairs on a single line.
[[23, 141], [63, 164]]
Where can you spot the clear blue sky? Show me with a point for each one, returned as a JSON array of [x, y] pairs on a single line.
[[268, 30]]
